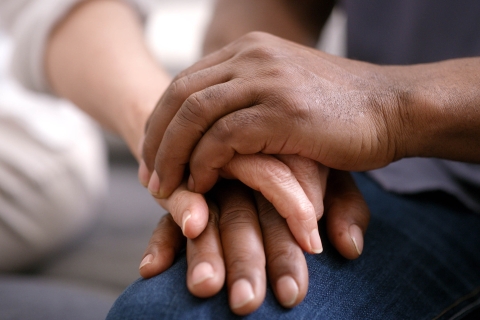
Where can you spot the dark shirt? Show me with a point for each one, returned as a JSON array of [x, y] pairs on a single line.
[[406, 32]]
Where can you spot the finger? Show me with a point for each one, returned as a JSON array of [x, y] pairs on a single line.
[[164, 112], [277, 183], [247, 131], [206, 269], [347, 214], [198, 112], [198, 99], [286, 265], [312, 177], [242, 246], [143, 174], [176, 94], [165, 243], [188, 209], [196, 78]]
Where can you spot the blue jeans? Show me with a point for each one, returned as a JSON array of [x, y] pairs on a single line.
[[421, 261]]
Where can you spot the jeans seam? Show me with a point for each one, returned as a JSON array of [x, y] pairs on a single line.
[[459, 301]]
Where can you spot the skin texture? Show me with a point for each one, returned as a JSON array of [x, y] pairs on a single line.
[[87, 61], [263, 94], [300, 22], [270, 244]]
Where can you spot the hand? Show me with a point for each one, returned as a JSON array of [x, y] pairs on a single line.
[[265, 239], [293, 184], [264, 94]]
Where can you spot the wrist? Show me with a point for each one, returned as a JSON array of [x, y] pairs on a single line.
[[437, 109], [137, 109]]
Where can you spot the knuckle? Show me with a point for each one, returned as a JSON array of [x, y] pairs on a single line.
[[174, 95], [262, 52], [177, 88], [306, 212], [192, 109], [255, 36], [236, 217], [282, 255], [223, 130], [265, 209], [297, 105], [278, 173], [241, 258]]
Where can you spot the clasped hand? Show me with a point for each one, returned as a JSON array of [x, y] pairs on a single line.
[[222, 117]]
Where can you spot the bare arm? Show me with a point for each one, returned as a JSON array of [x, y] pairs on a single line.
[[298, 21], [97, 58]]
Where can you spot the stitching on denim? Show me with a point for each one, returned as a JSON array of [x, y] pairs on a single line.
[[456, 303]]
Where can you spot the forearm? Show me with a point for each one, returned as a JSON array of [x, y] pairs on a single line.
[[96, 57], [299, 21], [440, 110]]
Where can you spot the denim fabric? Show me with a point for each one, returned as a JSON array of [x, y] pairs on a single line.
[[421, 261]]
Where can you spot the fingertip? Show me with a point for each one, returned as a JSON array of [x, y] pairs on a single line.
[[147, 268], [241, 294], [148, 259], [143, 174], [348, 241], [193, 223], [316, 246], [205, 281], [287, 291], [154, 184], [308, 240], [356, 235], [187, 215]]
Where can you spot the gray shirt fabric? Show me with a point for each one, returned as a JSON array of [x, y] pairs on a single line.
[[414, 175], [407, 32]]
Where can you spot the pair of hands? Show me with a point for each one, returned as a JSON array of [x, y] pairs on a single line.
[[246, 240], [261, 95]]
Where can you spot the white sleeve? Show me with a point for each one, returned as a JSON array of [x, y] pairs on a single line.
[[30, 22]]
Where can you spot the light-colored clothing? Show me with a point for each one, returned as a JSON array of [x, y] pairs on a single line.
[[53, 172], [53, 169], [30, 22], [50, 189]]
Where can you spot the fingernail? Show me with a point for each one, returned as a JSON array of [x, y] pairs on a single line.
[[143, 176], [203, 271], [186, 216], [241, 294], [154, 184], [147, 260], [287, 290], [191, 183], [315, 242], [356, 235]]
